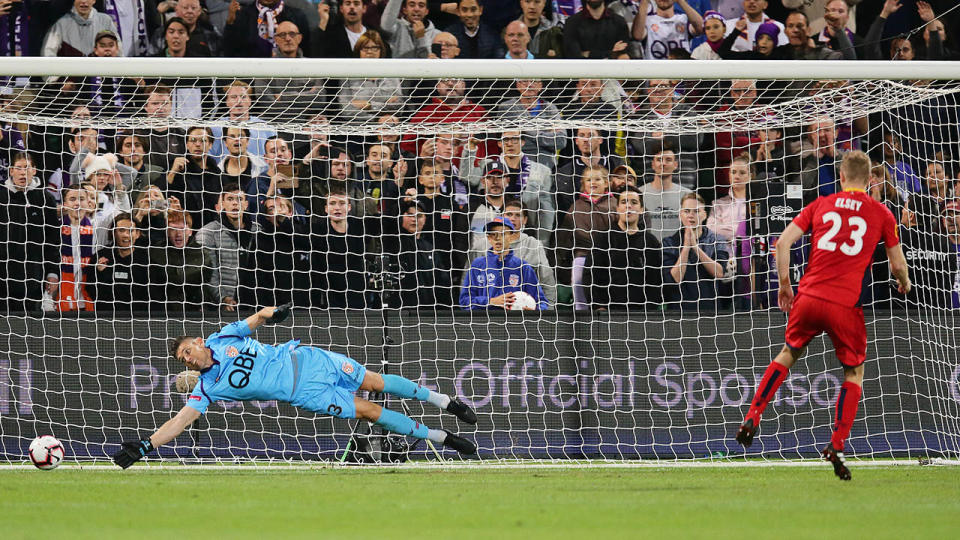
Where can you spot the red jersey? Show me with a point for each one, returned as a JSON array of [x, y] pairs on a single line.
[[847, 227]]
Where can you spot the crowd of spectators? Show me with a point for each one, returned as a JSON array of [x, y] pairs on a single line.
[[247, 213]]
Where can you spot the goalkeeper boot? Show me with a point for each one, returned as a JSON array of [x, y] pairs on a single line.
[[839, 463], [462, 411], [746, 432], [459, 444]]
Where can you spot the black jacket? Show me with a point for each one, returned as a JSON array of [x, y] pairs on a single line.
[[582, 32], [241, 39], [624, 269], [29, 240], [339, 276]]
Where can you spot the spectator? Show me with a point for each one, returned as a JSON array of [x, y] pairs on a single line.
[[150, 214], [905, 180], [476, 40], [443, 149], [74, 33], [728, 221], [79, 141], [163, 141], [281, 177], [589, 145], [290, 98], [693, 259], [664, 28], [951, 226], [337, 38], [194, 179], [313, 193], [882, 188], [764, 47], [661, 196], [176, 41], [120, 282], [339, 275], [487, 205], [132, 153], [729, 144], [229, 243], [753, 12], [546, 39], [445, 224], [77, 248], [623, 270], [820, 154], [107, 196], [251, 30], [494, 279], [381, 193], [595, 32], [104, 96], [28, 236], [449, 104], [901, 48], [622, 178], [238, 98], [517, 39], [497, 13], [714, 28], [424, 282], [202, 35], [588, 103], [181, 264], [801, 47], [938, 184], [237, 164], [836, 34], [526, 247], [282, 255], [815, 11], [528, 180], [590, 215], [363, 100], [444, 45], [541, 145], [411, 35], [662, 103], [134, 21]]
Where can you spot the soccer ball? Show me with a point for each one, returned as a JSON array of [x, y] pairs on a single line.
[[523, 301], [46, 452]]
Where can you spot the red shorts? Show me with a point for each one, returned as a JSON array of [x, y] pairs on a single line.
[[810, 316]]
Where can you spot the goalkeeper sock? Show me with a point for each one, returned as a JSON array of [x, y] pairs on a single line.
[[771, 381], [847, 403], [437, 435], [402, 424], [401, 387]]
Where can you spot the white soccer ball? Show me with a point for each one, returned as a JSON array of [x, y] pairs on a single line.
[[522, 301], [46, 452]]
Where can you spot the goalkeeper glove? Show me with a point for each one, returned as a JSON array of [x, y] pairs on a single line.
[[280, 314], [132, 452]]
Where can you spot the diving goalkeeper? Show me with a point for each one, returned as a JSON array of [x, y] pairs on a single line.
[[235, 367]]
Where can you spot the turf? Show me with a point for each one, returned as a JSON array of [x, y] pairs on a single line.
[[755, 502]]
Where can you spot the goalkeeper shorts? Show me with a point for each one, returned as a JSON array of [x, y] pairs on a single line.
[[326, 382]]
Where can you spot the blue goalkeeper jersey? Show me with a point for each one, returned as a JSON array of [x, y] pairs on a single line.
[[244, 369]]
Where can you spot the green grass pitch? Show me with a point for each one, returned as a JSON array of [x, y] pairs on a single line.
[[529, 503]]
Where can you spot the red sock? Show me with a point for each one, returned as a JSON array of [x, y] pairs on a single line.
[[771, 381], [847, 404]]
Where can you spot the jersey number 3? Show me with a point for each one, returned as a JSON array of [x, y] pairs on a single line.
[[859, 226]]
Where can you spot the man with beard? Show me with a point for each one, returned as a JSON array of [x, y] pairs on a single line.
[[338, 279], [120, 281], [283, 254], [29, 228], [194, 179], [181, 265], [336, 38], [449, 104], [595, 32], [229, 242]]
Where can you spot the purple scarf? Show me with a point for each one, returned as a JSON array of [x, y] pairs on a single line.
[[110, 8], [15, 32], [66, 246]]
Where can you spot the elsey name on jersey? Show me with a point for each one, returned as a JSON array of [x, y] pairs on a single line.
[[850, 204]]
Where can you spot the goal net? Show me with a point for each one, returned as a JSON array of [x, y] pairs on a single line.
[[403, 205]]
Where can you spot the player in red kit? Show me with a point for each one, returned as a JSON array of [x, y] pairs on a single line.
[[846, 228]]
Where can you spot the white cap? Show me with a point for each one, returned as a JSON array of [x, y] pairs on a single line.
[[98, 163]]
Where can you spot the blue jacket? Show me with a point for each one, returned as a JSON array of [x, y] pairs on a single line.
[[488, 278]]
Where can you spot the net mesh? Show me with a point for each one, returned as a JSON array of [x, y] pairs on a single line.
[[366, 202]]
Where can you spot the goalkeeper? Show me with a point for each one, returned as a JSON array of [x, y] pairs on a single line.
[[235, 367]]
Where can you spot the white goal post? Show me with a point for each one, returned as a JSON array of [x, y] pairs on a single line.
[[617, 362]]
